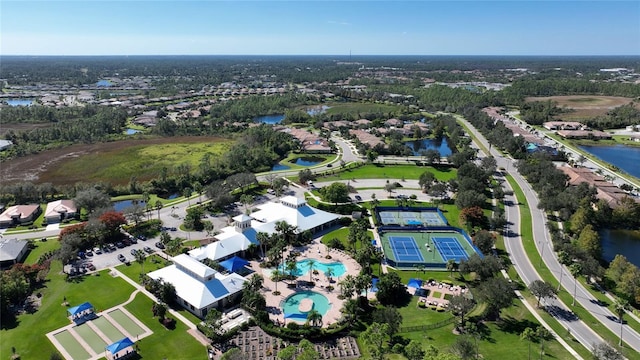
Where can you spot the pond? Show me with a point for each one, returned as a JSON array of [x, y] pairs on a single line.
[[105, 83], [19, 102], [269, 119], [132, 131], [317, 110], [623, 242], [308, 161], [624, 157], [123, 204], [441, 145], [278, 167]]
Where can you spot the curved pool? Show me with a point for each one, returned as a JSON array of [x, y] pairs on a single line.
[[295, 306], [302, 267]]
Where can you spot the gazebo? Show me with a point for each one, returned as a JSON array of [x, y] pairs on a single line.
[[416, 283], [233, 264], [81, 313], [120, 349]]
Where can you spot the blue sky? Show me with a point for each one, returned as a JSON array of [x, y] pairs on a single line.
[[319, 27]]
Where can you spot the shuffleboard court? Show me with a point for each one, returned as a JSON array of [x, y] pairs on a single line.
[[126, 322], [91, 338], [108, 329], [71, 345]]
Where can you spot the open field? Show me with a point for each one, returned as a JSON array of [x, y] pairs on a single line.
[[584, 106], [114, 162], [355, 108], [379, 171]]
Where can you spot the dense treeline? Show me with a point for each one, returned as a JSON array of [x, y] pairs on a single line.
[[45, 114], [98, 126], [567, 86], [496, 132]]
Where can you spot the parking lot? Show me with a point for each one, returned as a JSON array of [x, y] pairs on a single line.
[[109, 259]]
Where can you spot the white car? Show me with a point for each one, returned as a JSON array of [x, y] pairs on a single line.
[[97, 250]]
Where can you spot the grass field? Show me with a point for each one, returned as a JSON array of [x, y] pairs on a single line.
[[379, 171], [28, 334], [584, 106], [354, 108], [41, 247], [143, 159]]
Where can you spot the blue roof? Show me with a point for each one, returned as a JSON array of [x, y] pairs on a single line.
[[234, 263], [216, 287], [296, 316], [119, 345], [80, 308], [414, 283]]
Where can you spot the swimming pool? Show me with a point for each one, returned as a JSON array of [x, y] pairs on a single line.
[[291, 305], [302, 267]]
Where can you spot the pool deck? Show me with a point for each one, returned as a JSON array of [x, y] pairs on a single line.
[[317, 251]]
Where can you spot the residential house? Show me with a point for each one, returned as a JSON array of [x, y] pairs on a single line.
[[12, 251], [19, 214], [59, 210]]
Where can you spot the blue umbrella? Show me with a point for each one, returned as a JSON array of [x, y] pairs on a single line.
[[119, 345]]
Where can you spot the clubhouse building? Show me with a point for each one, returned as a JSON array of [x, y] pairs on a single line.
[[200, 288]]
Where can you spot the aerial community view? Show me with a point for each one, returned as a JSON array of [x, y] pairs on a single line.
[[308, 180]]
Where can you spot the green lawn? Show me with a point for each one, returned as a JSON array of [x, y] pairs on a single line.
[[543, 270], [164, 343], [28, 335], [133, 270], [379, 171], [41, 247], [341, 234]]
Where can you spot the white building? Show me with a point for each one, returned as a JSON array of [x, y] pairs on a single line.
[[199, 288], [59, 210], [237, 238]]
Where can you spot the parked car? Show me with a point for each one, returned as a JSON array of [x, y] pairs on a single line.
[[142, 237], [119, 245], [91, 267], [147, 249], [134, 252], [133, 240], [122, 258], [174, 229], [159, 245], [358, 197], [97, 250]]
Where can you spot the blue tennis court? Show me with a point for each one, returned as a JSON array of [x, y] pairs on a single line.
[[449, 248], [405, 249]]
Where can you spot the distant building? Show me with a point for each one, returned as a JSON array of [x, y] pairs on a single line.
[[584, 134], [59, 210], [563, 125], [19, 214], [12, 251]]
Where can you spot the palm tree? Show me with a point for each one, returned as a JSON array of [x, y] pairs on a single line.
[[275, 276], [451, 265], [350, 309], [329, 274], [140, 258], [158, 207], [186, 192], [543, 334], [254, 284], [314, 318], [564, 259], [575, 270], [529, 335], [312, 264], [620, 306]]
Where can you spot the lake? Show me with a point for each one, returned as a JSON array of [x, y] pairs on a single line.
[[308, 161], [624, 157], [19, 102], [269, 119], [436, 144], [623, 242], [132, 131], [278, 167], [105, 83]]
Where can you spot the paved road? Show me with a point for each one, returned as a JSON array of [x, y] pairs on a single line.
[[543, 242]]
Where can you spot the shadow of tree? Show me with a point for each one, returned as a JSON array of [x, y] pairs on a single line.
[[514, 326]]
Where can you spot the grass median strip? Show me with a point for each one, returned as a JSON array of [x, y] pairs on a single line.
[[546, 275]]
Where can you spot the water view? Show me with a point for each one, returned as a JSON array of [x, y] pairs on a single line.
[[124, 204], [623, 242], [105, 83], [317, 110], [269, 119], [278, 167], [418, 146], [132, 131], [624, 157], [19, 102], [309, 161]]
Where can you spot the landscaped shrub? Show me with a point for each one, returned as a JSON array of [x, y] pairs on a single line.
[[169, 323]]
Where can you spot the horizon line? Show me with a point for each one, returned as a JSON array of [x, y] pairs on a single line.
[[346, 55]]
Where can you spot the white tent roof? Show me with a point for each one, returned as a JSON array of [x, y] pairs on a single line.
[[197, 293], [304, 217]]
